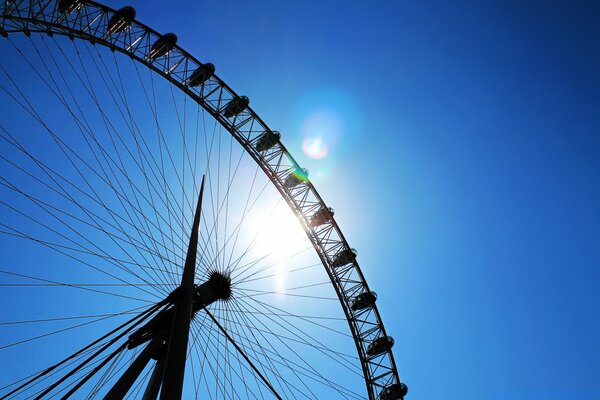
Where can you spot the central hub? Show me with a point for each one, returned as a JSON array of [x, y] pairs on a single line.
[[217, 287]]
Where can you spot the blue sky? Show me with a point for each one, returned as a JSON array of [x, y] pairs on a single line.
[[468, 177], [469, 180], [462, 163]]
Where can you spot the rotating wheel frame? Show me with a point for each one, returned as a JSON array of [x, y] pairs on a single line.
[[119, 31]]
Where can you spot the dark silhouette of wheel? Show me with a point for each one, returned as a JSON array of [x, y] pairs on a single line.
[[107, 130]]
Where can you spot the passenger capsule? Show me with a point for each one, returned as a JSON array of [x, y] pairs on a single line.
[[295, 178], [163, 45], [395, 391], [121, 20], [380, 345], [201, 74], [236, 106], [344, 257], [325, 214], [364, 300], [267, 140], [68, 6]]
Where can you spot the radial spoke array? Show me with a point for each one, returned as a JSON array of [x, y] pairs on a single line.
[[101, 160]]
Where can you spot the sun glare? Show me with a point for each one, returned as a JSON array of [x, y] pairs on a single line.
[[279, 238], [315, 148]]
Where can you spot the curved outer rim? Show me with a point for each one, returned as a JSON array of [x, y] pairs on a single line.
[[89, 21]]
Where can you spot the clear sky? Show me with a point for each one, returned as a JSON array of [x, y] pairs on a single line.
[[466, 173], [458, 143]]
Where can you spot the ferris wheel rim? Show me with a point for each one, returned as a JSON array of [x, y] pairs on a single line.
[[94, 15]]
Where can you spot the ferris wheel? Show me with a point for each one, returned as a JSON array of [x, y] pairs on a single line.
[[157, 238]]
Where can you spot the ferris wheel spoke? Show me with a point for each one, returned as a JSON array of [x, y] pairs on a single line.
[[210, 153], [259, 358], [203, 353], [60, 319], [281, 293], [290, 331], [166, 188], [207, 368], [63, 192], [276, 314], [79, 246], [215, 349], [89, 359], [141, 162], [81, 121], [222, 212], [57, 331], [232, 264], [114, 367], [252, 277], [220, 251], [136, 392], [209, 258], [166, 194], [145, 161], [100, 171], [60, 213], [300, 366], [243, 366], [115, 148], [228, 339], [247, 274], [282, 320], [94, 220], [222, 351], [59, 284], [255, 338], [236, 264], [349, 359], [245, 268], [146, 158], [246, 209], [68, 253]]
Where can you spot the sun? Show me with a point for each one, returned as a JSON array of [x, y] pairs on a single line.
[[279, 239], [279, 233]]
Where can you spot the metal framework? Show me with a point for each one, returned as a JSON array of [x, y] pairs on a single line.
[[91, 21]]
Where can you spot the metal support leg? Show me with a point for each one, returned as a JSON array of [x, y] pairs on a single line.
[[122, 386], [172, 386], [153, 387]]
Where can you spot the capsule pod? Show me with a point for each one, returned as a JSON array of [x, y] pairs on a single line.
[[295, 178], [121, 20], [364, 300], [267, 140], [380, 345], [325, 214], [344, 257], [163, 45], [68, 6], [236, 106], [201, 74], [394, 391]]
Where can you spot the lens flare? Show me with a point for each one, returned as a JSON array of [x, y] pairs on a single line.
[[328, 121], [315, 148]]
